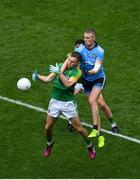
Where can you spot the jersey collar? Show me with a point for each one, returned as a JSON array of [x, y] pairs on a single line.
[[95, 45]]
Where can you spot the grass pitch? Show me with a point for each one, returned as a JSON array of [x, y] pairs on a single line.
[[37, 33]]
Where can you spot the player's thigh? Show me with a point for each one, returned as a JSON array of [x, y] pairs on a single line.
[[94, 95]]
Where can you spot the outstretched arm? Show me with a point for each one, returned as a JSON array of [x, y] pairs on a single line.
[[48, 78], [45, 79]]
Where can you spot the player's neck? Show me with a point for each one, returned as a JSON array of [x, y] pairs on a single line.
[[91, 46], [69, 68]]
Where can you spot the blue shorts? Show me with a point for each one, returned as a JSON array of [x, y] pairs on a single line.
[[88, 85]]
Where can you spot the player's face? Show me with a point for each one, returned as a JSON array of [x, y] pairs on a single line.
[[89, 39], [73, 62]]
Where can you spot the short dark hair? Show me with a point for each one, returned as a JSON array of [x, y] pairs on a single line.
[[76, 55], [79, 41], [91, 31]]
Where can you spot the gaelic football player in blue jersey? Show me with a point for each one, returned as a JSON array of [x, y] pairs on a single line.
[[93, 78], [101, 101]]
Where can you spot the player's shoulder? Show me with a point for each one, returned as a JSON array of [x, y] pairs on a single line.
[[60, 64], [77, 70], [80, 48], [99, 49], [77, 73]]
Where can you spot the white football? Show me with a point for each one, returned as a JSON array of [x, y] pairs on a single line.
[[23, 84]]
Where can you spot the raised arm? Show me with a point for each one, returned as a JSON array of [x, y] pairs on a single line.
[[67, 82], [64, 66], [71, 62]]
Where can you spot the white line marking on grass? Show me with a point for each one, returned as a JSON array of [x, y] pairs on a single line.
[[115, 134], [83, 123], [23, 104]]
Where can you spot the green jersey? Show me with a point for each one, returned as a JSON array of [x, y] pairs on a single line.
[[60, 91]]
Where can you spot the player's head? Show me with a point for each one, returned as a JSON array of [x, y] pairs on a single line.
[[89, 37], [74, 59], [79, 42]]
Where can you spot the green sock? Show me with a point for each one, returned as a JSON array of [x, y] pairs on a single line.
[[100, 133], [88, 142], [111, 120]]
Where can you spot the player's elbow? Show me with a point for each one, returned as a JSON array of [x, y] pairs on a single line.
[[47, 79], [69, 84]]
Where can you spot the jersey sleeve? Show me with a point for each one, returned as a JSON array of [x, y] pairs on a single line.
[[68, 55], [79, 49], [76, 76], [100, 54], [60, 65]]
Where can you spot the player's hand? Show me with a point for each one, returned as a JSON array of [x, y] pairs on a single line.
[[54, 69], [91, 72], [35, 75]]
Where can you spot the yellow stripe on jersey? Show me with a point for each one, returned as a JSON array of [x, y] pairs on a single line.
[[75, 78], [68, 55]]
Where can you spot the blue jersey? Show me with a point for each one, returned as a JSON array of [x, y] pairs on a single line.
[[89, 56]]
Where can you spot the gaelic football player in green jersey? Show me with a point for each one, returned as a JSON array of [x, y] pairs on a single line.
[[62, 100]]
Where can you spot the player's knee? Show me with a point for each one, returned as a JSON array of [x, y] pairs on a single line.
[[47, 127], [92, 102]]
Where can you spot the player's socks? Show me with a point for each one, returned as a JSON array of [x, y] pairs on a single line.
[[69, 127], [95, 127], [111, 120], [114, 126], [88, 142]]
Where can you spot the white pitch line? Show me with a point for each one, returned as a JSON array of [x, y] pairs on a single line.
[[83, 123], [115, 134], [23, 104]]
